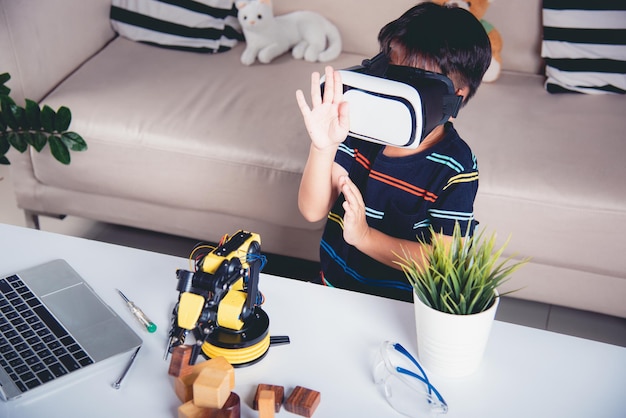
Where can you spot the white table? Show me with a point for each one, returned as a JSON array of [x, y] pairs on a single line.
[[334, 333]]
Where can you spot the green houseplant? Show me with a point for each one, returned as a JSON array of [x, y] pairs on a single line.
[[21, 127], [459, 278], [456, 298]]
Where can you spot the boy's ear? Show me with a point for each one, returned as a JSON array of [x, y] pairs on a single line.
[[463, 91]]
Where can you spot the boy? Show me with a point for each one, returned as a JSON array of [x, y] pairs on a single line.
[[379, 198]]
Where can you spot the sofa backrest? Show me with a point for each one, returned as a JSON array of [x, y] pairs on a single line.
[[43, 41], [519, 23]]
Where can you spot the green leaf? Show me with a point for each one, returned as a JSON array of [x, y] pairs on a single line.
[[4, 143], [74, 141], [59, 150], [33, 115], [47, 119], [4, 90], [18, 141], [4, 160], [19, 115], [7, 114], [63, 119], [39, 140]]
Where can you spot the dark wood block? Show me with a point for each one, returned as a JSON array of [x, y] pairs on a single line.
[[279, 396], [303, 401], [231, 409], [179, 363]]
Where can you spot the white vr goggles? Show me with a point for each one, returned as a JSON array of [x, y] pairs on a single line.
[[396, 105]]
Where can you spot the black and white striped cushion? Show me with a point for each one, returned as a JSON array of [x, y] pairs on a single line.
[[196, 25], [584, 46]]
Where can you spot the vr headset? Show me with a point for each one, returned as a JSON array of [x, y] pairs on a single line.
[[396, 105]]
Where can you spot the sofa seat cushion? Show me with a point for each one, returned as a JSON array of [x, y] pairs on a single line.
[[202, 127], [551, 165]]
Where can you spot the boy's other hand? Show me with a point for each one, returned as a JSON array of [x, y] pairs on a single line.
[[327, 120], [355, 227]]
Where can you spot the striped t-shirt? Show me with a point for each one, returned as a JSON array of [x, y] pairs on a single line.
[[404, 196]]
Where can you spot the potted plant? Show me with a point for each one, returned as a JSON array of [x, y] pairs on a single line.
[[455, 296], [21, 127]]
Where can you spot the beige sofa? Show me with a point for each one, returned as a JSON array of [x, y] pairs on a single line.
[[199, 145]]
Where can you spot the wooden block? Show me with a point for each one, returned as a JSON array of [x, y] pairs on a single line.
[[303, 401], [189, 410], [222, 364], [231, 409], [179, 364], [265, 403], [279, 395], [217, 363], [211, 388], [183, 390]]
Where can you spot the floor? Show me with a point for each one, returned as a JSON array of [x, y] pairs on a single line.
[[559, 319]]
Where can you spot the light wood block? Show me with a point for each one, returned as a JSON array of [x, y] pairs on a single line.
[[219, 363], [303, 401], [231, 409], [183, 390], [279, 395], [266, 404], [211, 388], [189, 410]]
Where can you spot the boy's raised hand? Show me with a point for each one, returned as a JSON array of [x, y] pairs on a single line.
[[355, 227], [327, 120]]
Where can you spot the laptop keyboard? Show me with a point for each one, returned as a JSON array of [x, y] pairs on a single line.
[[34, 347]]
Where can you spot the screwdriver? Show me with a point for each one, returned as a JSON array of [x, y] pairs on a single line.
[[138, 313]]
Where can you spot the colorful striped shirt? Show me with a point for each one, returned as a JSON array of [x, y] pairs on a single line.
[[404, 196]]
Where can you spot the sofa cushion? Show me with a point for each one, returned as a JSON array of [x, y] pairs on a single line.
[[209, 135], [584, 44], [551, 171], [207, 26]]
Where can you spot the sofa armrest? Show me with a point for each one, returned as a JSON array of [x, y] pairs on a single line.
[[42, 41]]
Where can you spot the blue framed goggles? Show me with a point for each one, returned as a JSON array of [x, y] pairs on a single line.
[[404, 383]]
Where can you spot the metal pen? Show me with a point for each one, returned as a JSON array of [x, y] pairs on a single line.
[[118, 382]]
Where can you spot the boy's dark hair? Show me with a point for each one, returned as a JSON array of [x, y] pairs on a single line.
[[449, 39]]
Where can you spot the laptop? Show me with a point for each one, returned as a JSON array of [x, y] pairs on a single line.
[[52, 326]]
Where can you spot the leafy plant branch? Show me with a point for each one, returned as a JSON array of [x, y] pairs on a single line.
[[33, 126]]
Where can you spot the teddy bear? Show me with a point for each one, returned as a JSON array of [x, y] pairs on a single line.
[[478, 9]]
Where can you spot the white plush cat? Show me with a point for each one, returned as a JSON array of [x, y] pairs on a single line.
[[311, 35]]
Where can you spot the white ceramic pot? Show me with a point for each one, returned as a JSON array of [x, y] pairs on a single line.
[[452, 345]]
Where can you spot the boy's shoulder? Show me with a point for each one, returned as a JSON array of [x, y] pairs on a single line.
[[455, 147], [453, 141]]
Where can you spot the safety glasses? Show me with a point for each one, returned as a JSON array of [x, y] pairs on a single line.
[[405, 384]]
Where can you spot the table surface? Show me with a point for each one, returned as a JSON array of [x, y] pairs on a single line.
[[334, 335]]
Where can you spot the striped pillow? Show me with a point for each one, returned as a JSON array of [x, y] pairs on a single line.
[[584, 46], [194, 25]]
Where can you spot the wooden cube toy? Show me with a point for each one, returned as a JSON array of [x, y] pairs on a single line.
[[303, 401], [183, 385], [231, 409], [211, 388], [179, 364], [265, 403], [279, 395]]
